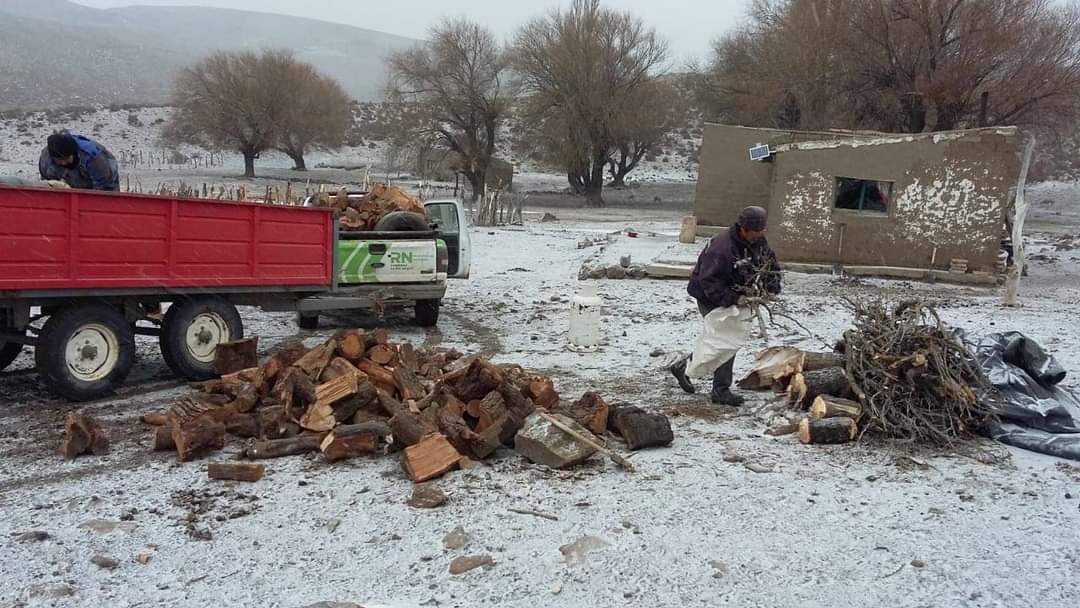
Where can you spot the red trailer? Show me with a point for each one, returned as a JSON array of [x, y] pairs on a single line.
[[96, 263]]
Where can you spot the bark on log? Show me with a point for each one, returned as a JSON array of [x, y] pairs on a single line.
[[827, 406], [640, 429], [244, 471], [275, 423], [806, 387], [489, 411], [815, 361], [154, 419], [348, 441], [542, 391], [408, 385], [480, 379], [377, 374], [236, 355], [827, 430], [198, 437], [518, 408], [276, 448], [246, 399], [464, 439], [408, 428], [407, 356], [431, 457], [83, 435], [282, 359], [591, 412], [238, 377], [242, 425]]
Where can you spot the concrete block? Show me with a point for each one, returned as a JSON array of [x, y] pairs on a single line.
[[546, 444]]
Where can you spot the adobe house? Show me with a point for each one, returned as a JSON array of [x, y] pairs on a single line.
[[883, 204]]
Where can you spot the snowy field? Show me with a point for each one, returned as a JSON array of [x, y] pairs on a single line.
[[725, 516]]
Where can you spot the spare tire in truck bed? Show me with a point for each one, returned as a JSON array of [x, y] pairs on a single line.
[[402, 221]]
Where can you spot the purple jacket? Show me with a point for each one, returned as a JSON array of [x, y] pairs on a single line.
[[716, 276]]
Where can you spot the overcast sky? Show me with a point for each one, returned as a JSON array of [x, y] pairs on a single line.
[[688, 25]]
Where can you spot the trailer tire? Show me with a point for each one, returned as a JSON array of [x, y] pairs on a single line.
[[309, 321], [427, 312], [85, 351], [9, 351], [191, 331]]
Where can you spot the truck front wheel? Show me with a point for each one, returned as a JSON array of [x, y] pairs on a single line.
[[191, 331], [427, 312], [85, 352], [8, 352]]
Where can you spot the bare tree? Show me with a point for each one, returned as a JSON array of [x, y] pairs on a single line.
[[316, 112], [653, 110], [581, 69], [458, 81], [221, 102], [898, 65]]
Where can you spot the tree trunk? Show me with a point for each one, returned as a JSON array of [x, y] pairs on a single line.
[[298, 161], [476, 183], [249, 163]]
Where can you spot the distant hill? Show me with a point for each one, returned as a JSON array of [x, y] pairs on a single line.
[[56, 53]]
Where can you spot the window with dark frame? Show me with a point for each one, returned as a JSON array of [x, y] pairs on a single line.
[[863, 195]]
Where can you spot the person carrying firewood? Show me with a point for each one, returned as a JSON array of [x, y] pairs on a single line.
[[80, 162], [735, 264]]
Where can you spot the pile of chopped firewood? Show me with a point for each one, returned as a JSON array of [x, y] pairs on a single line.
[[358, 393], [899, 374], [364, 212]]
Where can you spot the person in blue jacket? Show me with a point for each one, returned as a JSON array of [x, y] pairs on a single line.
[[80, 162]]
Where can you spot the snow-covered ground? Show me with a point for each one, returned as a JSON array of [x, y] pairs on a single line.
[[842, 526]]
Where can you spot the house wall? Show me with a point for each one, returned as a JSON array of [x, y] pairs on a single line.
[[950, 194], [727, 179]]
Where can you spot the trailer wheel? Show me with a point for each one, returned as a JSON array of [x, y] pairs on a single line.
[[85, 351], [8, 352], [191, 331], [427, 312], [308, 321]]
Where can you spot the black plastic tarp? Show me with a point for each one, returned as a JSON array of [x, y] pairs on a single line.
[[1035, 412]]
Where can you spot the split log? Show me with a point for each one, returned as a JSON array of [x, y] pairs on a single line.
[[350, 344], [366, 394], [275, 423], [348, 441], [246, 399], [377, 336], [431, 457], [806, 387], [407, 428], [198, 437], [518, 408], [815, 361], [242, 425], [163, 441], [773, 367], [455, 405], [827, 430], [154, 419], [340, 388], [282, 359], [542, 391], [407, 356], [276, 448], [244, 471], [339, 366], [382, 354], [83, 435], [236, 355], [379, 375], [640, 429], [488, 412], [240, 376], [315, 360], [480, 379], [318, 418], [187, 409], [827, 406], [591, 412], [464, 439], [408, 385]]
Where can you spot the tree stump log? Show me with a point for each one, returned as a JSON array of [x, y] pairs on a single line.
[[806, 387], [827, 430], [640, 429], [83, 435], [236, 355], [244, 471], [198, 437]]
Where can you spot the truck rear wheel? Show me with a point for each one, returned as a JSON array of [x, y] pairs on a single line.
[[85, 351], [427, 312], [191, 331], [8, 352]]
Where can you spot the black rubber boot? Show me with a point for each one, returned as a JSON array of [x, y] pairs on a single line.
[[678, 369], [721, 385]]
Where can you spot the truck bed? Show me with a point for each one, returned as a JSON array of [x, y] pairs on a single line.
[[74, 240]]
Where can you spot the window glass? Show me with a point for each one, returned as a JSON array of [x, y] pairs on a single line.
[[445, 215], [863, 194]]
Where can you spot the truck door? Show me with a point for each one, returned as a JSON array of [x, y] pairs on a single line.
[[449, 215]]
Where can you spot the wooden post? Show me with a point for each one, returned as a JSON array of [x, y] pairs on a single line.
[[688, 232], [1012, 280]]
